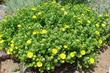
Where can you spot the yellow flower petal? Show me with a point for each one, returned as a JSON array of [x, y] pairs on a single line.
[[54, 51], [65, 46], [97, 25], [62, 56], [29, 41], [91, 60], [34, 17], [30, 54], [82, 52], [39, 64], [43, 31], [100, 41], [12, 45], [97, 32], [72, 54]]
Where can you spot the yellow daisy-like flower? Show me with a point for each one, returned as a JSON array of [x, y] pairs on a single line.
[[97, 32], [30, 54], [65, 46], [34, 17], [39, 64], [29, 41], [54, 51], [33, 8], [91, 60], [72, 54], [100, 41], [62, 56], [43, 31], [82, 52], [97, 25], [65, 13], [103, 25]]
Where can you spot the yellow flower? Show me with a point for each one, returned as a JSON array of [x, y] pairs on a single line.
[[43, 31], [18, 26], [62, 56], [103, 25], [97, 32], [82, 52], [12, 45], [91, 60], [65, 13], [72, 54], [97, 25], [39, 64], [65, 46], [33, 8], [100, 41], [54, 51], [30, 54], [29, 41], [34, 17]]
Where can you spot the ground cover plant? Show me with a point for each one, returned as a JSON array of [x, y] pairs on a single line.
[[50, 34]]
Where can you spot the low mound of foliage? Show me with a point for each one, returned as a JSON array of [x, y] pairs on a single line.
[[51, 34]]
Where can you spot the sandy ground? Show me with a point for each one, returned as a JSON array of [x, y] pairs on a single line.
[[104, 63]]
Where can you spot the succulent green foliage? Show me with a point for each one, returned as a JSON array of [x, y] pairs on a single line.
[[51, 34]]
